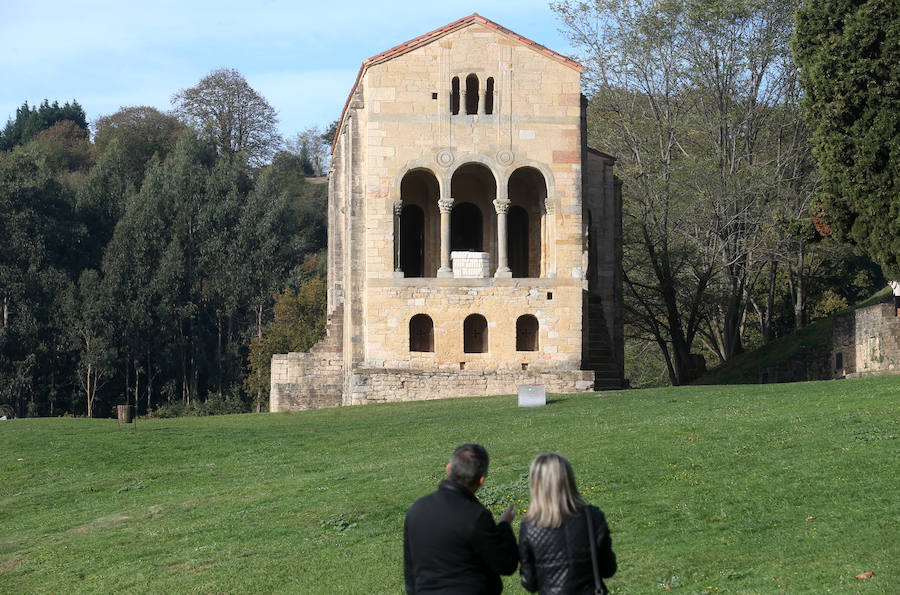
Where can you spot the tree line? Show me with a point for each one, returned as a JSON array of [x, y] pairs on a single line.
[[163, 260], [145, 264]]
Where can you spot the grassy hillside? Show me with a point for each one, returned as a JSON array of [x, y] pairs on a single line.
[[746, 489], [747, 367]]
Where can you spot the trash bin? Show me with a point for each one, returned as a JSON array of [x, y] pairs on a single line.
[[126, 413]]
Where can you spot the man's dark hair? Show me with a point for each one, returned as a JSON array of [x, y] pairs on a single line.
[[468, 464]]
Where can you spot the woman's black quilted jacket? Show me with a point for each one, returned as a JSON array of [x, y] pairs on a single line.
[[559, 560]]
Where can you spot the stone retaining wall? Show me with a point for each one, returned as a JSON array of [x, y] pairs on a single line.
[[866, 341], [862, 342], [379, 385]]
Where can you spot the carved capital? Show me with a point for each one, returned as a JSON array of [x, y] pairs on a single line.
[[445, 205], [501, 205], [398, 207]]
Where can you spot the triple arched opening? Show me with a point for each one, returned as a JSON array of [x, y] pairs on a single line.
[[471, 99], [474, 218]]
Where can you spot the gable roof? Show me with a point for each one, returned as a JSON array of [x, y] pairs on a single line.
[[403, 48]]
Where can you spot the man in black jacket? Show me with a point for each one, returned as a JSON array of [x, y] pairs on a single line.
[[450, 541]]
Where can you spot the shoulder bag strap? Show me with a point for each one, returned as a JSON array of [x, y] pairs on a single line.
[[598, 584]]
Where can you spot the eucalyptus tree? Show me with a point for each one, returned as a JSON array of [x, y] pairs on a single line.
[[87, 316], [37, 264]]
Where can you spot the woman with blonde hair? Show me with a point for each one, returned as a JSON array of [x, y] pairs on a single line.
[[555, 550]]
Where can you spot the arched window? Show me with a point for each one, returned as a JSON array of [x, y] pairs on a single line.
[[466, 228], [489, 96], [471, 94], [412, 241], [454, 96], [421, 333], [526, 333], [475, 334]]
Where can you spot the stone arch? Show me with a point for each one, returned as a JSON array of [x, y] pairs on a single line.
[[527, 191], [475, 334], [418, 236], [527, 331], [546, 172], [467, 159], [421, 333]]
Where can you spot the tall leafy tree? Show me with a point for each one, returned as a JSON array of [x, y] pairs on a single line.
[[688, 94], [849, 57], [37, 264], [226, 110], [141, 132], [299, 322], [87, 313]]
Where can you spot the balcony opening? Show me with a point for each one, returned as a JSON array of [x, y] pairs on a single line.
[[412, 241], [466, 228], [517, 241]]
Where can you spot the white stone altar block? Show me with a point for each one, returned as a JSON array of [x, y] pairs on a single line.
[[471, 265]]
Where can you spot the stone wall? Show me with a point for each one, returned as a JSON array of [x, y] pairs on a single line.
[[381, 385], [556, 305], [861, 342], [866, 341]]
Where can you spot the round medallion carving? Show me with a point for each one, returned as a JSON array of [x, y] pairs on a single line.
[[444, 158], [505, 157]]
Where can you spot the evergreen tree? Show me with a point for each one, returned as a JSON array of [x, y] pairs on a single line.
[[29, 121], [849, 57]]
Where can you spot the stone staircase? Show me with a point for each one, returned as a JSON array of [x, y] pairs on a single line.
[[598, 355]]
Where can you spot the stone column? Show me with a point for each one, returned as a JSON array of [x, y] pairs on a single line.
[[445, 205], [550, 207], [398, 208], [501, 206]]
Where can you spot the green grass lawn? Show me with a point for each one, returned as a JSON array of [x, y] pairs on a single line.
[[746, 489]]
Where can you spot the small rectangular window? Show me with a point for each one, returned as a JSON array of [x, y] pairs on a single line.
[[434, 95]]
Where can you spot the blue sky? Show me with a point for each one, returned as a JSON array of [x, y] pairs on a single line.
[[301, 56]]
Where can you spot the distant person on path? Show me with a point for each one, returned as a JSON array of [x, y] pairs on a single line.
[[450, 541], [554, 548], [895, 286]]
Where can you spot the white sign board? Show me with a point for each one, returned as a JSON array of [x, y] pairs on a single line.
[[532, 395]]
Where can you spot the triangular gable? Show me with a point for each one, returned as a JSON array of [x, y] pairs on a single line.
[[427, 38]]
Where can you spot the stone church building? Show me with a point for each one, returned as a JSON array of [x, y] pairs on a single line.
[[474, 239]]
